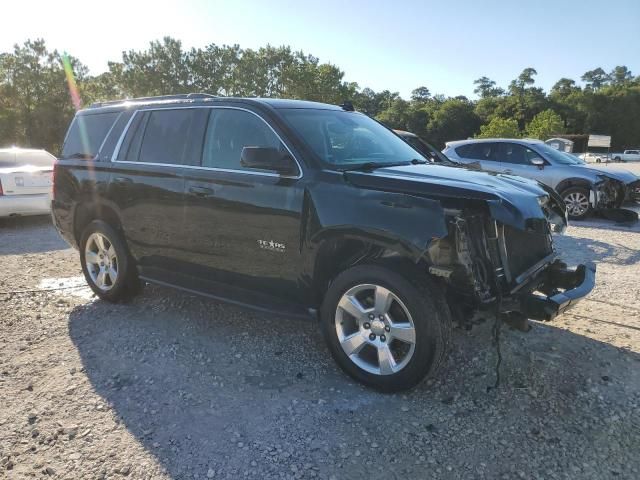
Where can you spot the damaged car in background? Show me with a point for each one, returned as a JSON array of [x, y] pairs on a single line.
[[583, 188], [314, 210]]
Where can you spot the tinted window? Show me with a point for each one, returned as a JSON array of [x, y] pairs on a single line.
[[511, 153], [477, 151], [166, 136], [86, 134], [130, 148], [229, 131]]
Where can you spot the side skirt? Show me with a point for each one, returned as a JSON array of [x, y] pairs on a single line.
[[271, 308]]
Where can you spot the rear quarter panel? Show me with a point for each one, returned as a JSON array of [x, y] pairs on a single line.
[[77, 183]]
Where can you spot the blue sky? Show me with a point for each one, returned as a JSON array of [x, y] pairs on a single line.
[[443, 45]]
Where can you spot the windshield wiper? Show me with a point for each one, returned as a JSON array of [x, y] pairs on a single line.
[[368, 166]]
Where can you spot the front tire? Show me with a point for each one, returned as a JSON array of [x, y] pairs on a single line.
[[106, 263], [383, 330], [577, 201]]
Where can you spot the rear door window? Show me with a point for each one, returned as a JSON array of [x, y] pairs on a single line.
[[86, 134], [167, 136], [484, 151]]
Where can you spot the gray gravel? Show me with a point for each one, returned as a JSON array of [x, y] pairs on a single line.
[[175, 386]]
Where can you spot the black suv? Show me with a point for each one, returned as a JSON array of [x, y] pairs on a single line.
[[307, 209]]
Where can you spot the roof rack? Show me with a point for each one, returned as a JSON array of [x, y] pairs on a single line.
[[179, 96]]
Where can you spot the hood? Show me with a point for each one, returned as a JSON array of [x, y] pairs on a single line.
[[622, 175], [512, 200]]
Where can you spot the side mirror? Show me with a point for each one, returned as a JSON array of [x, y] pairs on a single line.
[[268, 158], [538, 162]]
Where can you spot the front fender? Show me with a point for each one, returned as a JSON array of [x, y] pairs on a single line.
[[402, 222]]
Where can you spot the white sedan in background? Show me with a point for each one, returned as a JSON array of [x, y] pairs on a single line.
[[25, 181]]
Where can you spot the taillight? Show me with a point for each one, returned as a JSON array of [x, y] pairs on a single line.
[[53, 180]]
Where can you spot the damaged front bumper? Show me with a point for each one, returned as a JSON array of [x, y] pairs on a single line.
[[553, 290]]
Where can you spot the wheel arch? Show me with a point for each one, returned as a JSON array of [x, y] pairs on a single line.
[[574, 182], [339, 253], [87, 212]]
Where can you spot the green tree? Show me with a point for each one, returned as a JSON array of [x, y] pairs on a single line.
[[420, 94], [453, 120], [596, 78], [544, 125], [620, 75], [486, 88], [500, 128], [35, 106]]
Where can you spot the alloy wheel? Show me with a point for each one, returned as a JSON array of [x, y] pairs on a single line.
[[375, 329], [577, 203], [102, 261]]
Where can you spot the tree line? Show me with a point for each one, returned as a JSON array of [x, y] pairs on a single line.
[[36, 106]]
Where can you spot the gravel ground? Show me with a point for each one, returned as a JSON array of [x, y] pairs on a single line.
[[174, 386]]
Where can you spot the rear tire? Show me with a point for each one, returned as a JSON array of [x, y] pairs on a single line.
[[106, 263], [577, 201], [383, 330]]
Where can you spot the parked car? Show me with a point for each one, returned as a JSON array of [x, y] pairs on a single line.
[[25, 181], [307, 209], [627, 156], [583, 188], [427, 150], [594, 157]]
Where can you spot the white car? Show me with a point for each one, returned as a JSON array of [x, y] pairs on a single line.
[[593, 157], [25, 181]]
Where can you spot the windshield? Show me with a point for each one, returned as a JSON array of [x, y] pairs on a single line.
[[558, 156], [347, 139]]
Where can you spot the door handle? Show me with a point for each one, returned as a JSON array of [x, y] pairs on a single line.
[[201, 191], [122, 180]]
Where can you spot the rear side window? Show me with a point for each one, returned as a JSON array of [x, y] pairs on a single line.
[[477, 151], [86, 134], [229, 131]]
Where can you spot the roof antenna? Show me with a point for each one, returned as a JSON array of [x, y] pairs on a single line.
[[347, 106]]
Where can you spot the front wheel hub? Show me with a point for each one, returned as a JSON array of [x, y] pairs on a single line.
[[375, 329]]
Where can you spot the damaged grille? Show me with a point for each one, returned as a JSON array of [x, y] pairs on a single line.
[[525, 249]]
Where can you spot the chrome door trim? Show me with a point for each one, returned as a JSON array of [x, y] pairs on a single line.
[[116, 151]]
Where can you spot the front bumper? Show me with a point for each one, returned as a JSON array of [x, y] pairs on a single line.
[[556, 289], [633, 191]]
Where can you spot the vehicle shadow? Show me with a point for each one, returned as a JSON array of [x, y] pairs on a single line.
[[575, 250], [203, 386], [17, 235], [598, 221]]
